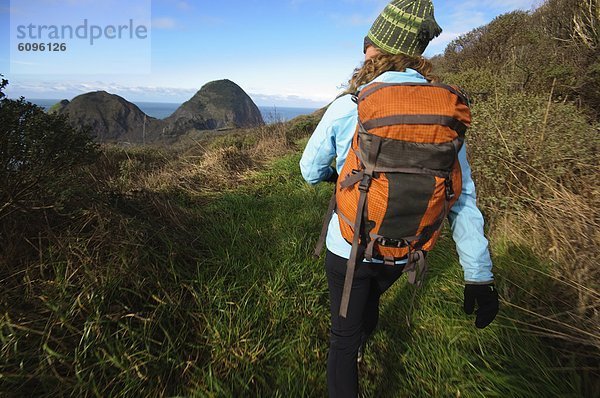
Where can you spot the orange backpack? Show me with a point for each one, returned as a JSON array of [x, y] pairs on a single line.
[[402, 174]]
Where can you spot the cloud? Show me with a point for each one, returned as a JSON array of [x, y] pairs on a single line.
[[211, 21], [296, 3], [360, 20], [164, 23], [352, 20], [288, 100], [496, 6], [13, 10], [461, 23], [53, 89], [514, 4], [184, 5], [69, 90], [70, 2], [25, 63]]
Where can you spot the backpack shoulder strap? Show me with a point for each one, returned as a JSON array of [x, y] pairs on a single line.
[[326, 221], [359, 242]]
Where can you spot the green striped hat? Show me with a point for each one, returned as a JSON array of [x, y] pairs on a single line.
[[404, 27]]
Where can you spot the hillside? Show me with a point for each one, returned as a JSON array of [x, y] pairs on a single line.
[[59, 106], [189, 273], [217, 105], [554, 48]]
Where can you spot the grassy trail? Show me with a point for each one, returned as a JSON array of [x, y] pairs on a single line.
[[273, 312], [218, 296]]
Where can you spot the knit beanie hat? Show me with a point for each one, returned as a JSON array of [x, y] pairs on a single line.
[[404, 27]]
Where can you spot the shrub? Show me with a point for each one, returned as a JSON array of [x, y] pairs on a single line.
[[478, 83], [535, 165], [41, 158], [302, 126], [515, 137], [555, 45]]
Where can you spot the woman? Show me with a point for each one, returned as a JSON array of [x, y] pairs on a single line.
[[393, 49]]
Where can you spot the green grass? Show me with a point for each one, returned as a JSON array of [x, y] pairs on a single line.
[[226, 301]]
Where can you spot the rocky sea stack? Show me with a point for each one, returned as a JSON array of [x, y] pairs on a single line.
[[218, 104], [112, 118]]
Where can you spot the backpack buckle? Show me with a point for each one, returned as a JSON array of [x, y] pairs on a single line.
[[365, 183], [449, 189], [387, 242]]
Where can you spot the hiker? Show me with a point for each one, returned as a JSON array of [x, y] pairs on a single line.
[[392, 48]]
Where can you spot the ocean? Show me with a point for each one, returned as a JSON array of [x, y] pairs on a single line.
[[271, 114]]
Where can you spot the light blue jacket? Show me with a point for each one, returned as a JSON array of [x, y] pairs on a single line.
[[331, 140]]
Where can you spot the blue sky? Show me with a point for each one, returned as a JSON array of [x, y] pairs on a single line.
[[282, 52]]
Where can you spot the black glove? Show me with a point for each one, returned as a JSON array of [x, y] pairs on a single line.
[[333, 177], [487, 303]]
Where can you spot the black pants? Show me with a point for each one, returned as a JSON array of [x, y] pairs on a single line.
[[370, 281]]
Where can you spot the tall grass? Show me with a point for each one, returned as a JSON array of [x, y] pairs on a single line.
[[223, 299], [535, 162], [188, 273]]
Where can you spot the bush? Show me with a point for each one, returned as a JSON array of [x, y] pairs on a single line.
[[479, 83], [303, 126], [518, 139], [553, 46], [41, 158], [589, 88], [535, 165]]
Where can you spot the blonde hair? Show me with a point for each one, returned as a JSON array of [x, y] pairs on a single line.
[[384, 62]]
